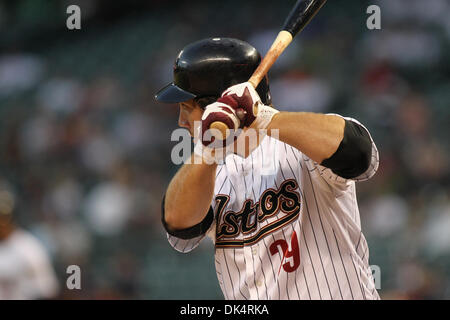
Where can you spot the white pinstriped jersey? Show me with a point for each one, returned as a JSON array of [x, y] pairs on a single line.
[[286, 227]]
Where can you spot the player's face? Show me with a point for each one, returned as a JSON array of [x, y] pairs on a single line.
[[190, 111]]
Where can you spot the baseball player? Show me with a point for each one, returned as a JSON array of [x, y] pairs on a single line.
[[282, 212], [26, 271]]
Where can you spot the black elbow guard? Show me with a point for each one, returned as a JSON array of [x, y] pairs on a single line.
[[352, 158]]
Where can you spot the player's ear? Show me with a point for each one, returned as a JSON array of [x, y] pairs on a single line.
[[204, 101]]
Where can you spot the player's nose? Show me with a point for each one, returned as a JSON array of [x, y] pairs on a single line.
[[183, 121]]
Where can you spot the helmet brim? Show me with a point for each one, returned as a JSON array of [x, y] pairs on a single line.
[[173, 94]]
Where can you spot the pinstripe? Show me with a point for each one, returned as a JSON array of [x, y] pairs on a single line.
[[289, 241], [282, 260], [282, 257], [176, 242], [317, 245], [312, 265], [358, 275], [307, 287], [235, 164], [224, 289], [254, 274], [365, 251], [270, 255], [359, 240], [187, 243], [253, 180], [296, 158], [233, 187], [256, 216], [217, 174], [343, 265], [229, 275], [224, 180], [271, 264], [325, 235], [264, 275], [296, 287], [239, 272]]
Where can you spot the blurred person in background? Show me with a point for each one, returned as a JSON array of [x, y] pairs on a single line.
[[26, 271], [68, 119]]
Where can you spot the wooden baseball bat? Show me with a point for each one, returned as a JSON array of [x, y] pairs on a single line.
[[300, 15]]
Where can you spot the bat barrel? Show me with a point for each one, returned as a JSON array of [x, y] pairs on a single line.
[[301, 14]]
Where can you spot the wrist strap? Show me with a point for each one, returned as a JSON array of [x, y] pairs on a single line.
[[265, 115]]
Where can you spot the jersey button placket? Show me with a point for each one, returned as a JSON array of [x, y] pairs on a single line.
[[250, 273]]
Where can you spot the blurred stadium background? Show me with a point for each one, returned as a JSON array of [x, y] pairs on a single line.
[[86, 149]]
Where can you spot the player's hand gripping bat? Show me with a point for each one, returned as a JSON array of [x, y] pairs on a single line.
[[300, 15]]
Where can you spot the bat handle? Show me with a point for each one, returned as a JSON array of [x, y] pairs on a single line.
[[283, 39]]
